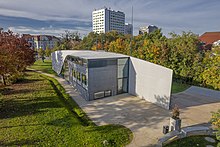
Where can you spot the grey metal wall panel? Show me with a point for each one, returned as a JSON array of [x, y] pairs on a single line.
[[102, 78]]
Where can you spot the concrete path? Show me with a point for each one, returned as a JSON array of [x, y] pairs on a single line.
[[143, 118], [196, 105]]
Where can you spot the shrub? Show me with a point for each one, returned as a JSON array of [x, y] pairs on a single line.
[[216, 122]]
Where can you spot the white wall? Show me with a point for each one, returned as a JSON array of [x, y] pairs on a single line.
[[150, 81], [58, 58]]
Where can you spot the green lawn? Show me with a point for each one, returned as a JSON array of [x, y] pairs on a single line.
[[192, 141], [178, 87], [45, 66], [37, 112]]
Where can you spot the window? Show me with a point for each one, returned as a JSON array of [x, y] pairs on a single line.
[[98, 95], [78, 76], [122, 75], [108, 93], [84, 80], [74, 73]]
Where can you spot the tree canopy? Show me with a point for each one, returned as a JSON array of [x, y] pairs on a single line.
[[182, 53], [15, 54]]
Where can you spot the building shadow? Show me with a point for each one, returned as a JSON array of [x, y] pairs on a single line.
[[20, 142]]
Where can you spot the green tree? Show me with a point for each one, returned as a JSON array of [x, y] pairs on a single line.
[[211, 73], [185, 49], [41, 53], [216, 122], [48, 52]]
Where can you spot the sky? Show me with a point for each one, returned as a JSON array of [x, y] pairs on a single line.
[[53, 17]]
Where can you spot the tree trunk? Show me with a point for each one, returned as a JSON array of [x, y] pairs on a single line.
[[3, 80]]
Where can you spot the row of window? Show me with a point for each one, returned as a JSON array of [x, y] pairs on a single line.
[[98, 15], [95, 25], [79, 76], [98, 29], [98, 18], [95, 13]]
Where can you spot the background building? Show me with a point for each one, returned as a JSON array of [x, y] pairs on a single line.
[[99, 74], [41, 41], [128, 28], [105, 20], [209, 38], [147, 29]]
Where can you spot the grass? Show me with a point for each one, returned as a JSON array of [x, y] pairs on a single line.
[[192, 141], [38, 112], [45, 66], [178, 87]]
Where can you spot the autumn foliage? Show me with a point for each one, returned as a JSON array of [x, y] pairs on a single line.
[[15, 55], [182, 53]]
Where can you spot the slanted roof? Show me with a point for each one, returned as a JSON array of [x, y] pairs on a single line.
[[210, 37], [87, 54]]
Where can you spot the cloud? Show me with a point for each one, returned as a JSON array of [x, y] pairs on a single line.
[[197, 15], [48, 30]]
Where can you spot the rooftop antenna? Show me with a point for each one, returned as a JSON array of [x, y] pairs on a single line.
[[132, 31]]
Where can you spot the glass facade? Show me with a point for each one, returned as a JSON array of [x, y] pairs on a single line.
[[72, 73], [122, 75]]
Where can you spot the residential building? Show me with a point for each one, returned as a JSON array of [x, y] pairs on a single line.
[[44, 41], [41, 41], [105, 20], [147, 29], [128, 28], [99, 74], [208, 38], [216, 43], [30, 39]]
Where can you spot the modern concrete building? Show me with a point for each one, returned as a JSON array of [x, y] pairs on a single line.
[[128, 28], [99, 74], [105, 20], [147, 29]]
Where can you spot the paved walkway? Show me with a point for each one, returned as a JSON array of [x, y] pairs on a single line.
[[196, 105], [143, 118]]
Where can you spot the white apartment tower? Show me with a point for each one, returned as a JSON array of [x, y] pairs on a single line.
[[105, 20]]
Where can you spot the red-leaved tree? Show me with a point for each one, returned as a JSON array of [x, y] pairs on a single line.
[[15, 54]]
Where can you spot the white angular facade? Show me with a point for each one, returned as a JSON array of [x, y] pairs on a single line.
[[105, 20]]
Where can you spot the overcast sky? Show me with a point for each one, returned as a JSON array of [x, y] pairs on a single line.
[[55, 16]]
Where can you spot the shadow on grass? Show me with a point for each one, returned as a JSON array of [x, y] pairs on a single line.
[[69, 104], [15, 108], [105, 128], [25, 81], [22, 142], [10, 91], [20, 126], [62, 122]]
